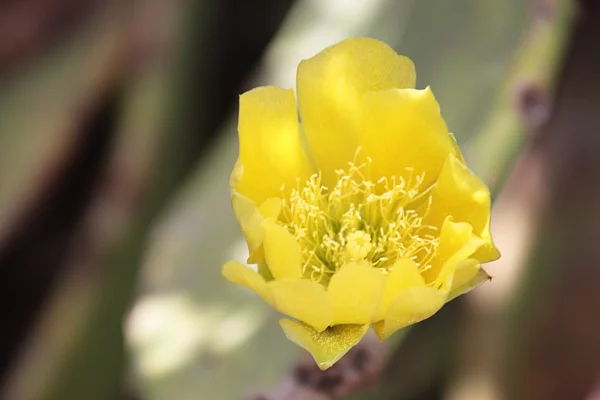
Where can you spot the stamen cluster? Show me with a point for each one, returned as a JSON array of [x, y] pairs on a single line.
[[359, 220]]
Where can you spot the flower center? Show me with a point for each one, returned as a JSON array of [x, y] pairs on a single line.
[[359, 219], [358, 245]]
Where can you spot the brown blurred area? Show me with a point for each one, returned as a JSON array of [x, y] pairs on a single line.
[[29, 26], [74, 200], [112, 115]]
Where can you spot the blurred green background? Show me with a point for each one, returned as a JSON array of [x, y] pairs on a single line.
[[117, 138]]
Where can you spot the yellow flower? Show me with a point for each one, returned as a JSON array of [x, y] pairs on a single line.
[[365, 214]]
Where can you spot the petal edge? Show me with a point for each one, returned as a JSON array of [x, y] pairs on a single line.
[[326, 347], [302, 299]]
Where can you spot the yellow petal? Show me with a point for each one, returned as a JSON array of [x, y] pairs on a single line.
[[379, 328], [457, 243], [464, 272], [258, 257], [457, 151], [355, 291], [403, 276], [478, 278], [403, 129], [282, 253], [326, 347], [271, 152], [263, 270], [269, 210], [460, 194], [240, 274], [409, 307], [302, 299], [251, 219], [330, 86]]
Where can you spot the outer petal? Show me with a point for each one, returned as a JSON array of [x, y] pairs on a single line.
[[326, 347], [355, 291], [459, 288], [409, 307], [403, 129], [330, 86], [464, 272], [459, 193], [242, 275], [457, 243], [271, 153], [269, 210], [302, 299], [282, 253], [405, 275], [251, 218]]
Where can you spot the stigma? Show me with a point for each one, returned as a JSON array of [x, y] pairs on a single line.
[[358, 245]]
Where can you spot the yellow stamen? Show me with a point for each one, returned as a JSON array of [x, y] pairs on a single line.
[[359, 219]]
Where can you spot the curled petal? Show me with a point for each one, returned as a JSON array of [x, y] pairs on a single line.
[[330, 86], [328, 346], [355, 292], [460, 194], [282, 253], [457, 243], [302, 299], [271, 153], [404, 134]]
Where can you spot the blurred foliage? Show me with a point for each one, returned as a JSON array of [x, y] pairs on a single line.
[[40, 105]]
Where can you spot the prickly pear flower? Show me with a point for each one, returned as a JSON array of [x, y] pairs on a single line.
[[365, 213]]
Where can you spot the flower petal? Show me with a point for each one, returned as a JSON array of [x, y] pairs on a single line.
[[404, 134], [457, 243], [302, 299], [403, 276], [240, 274], [330, 86], [464, 272], [271, 152], [462, 283], [326, 347], [459, 193], [282, 253], [269, 210], [409, 307], [262, 268], [251, 217], [355, 291]]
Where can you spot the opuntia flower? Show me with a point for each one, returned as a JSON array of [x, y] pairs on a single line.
[[362, 214]]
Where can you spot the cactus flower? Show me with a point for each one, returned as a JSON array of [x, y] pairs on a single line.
[[362, 214]]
